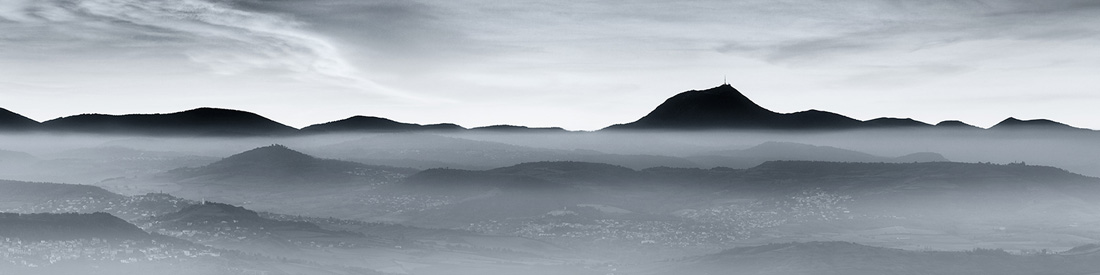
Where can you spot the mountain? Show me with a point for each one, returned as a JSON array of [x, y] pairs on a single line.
[[11, 121], [277, 165], [374, 124], [854, 259], [67, 226], [1015, 124], [724, 107], [196, 122]]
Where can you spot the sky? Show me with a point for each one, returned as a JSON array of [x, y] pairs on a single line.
[[581, 65]]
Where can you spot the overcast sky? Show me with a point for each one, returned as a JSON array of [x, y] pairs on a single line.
[[582, 65]]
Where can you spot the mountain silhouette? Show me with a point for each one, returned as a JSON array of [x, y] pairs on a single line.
[[724, 107], [10, 121], [889, 122], [375, 124], [955, 124], [1012, 123], [719, 107], [196, 122]]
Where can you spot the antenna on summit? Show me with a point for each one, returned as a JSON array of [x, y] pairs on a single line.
[[724, 80]]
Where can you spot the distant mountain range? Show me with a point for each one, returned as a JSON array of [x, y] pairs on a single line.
[[726, 108], [718, 108], [197, 122]]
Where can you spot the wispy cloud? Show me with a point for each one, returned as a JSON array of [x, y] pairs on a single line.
[[217, 34]]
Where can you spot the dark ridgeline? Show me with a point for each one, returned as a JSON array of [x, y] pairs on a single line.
[[1034, 124], [196, 122], [890, 122], [718, 108], [11, 121], [955, 124], [724, 107], [375, 124]]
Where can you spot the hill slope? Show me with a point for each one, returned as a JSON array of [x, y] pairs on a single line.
[[11, 121]]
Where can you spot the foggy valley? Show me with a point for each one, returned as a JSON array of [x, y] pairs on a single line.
[[217, 195]]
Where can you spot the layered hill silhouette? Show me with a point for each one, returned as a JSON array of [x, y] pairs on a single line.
[[1034, 124], [424, 150], [196, 122], [854, 259], [772, 151], [536, 188], [67, 226], [14, 194], [375, 124], [212, 216], [276, 165]]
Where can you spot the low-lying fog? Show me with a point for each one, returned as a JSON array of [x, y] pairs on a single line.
[[854, 202]]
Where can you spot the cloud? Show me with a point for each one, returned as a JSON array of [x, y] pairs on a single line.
[[900, 27], [217, 34]]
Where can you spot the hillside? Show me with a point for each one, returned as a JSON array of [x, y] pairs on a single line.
[[11, 121], [68, 226]]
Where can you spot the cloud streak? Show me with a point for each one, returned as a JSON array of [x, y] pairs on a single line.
[[228, 40]]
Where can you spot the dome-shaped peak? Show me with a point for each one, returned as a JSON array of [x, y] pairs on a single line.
[[270, 153]]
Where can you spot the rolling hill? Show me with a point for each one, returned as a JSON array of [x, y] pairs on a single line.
[[195, 122], [279, 166]]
